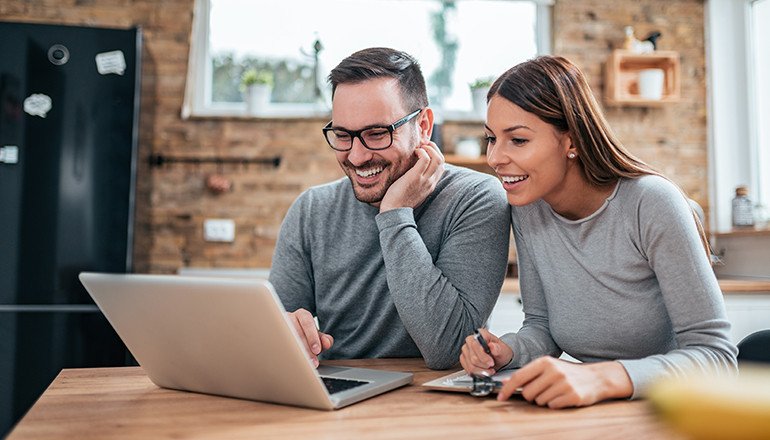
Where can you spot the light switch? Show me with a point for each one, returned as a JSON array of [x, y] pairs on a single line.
[[218, 229]]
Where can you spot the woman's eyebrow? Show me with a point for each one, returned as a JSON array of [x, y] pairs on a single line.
[[509, 129]]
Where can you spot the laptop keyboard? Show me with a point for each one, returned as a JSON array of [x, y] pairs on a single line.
[[335, 385]]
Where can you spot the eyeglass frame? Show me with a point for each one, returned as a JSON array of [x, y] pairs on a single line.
[[483, 385], [357, 133]]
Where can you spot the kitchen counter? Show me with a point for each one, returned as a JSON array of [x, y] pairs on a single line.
[[728, 286], [747, 302]]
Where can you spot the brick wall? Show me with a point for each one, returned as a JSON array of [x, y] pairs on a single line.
[[673, 138], [173, 201]]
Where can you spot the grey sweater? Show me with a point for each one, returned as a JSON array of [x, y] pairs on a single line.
[[631, 282], [403, 283]]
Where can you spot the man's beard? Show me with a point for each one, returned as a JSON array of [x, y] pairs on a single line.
[[362, 192]]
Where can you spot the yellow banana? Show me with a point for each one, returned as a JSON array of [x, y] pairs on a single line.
[[719, 408]]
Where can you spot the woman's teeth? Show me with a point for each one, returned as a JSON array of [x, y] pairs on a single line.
[[513, 179], [370, 172]]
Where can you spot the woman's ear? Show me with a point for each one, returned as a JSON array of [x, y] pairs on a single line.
[[567, 144], [425, 125]]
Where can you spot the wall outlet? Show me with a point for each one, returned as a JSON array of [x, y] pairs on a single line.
[[218, 229]]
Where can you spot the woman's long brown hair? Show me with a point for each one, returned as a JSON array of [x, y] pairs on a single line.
[[555, 90]]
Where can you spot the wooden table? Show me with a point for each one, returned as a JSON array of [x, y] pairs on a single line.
[[121, 402]]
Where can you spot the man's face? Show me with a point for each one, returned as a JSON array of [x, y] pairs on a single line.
[[369, 103]]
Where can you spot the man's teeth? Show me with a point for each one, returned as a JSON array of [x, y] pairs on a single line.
[[513, 179], [369, 172]]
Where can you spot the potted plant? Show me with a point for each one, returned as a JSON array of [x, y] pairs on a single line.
[[257, 85], [479, 89]]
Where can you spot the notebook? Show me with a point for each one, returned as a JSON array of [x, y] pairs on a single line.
[[224, 336]]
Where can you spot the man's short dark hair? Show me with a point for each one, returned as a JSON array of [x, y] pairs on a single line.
[[378, 62]]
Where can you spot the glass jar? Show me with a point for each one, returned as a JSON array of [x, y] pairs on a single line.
[[743, 209]]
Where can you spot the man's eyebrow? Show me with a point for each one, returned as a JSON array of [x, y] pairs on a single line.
[[361, 129]]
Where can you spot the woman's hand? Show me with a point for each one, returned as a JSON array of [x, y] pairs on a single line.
[[555, 383], [475, 360]]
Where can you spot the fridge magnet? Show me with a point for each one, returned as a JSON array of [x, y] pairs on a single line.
[[38, 104], [58, 54], [9, 154], [111, 62]]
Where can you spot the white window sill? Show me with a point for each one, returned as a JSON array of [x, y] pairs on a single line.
[[274, 111]]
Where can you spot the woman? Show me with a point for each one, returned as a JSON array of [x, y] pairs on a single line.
[[612, 267]]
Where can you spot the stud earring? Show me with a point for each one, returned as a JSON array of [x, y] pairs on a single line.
[[571, 155]]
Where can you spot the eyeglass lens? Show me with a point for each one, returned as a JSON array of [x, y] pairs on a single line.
[[374, 138]]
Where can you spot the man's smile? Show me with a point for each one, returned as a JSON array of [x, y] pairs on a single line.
[[369, 172]]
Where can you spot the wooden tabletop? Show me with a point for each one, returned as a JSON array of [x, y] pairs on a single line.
[[122, 403]]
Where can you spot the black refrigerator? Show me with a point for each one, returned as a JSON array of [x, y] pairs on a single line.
[[69, 103]]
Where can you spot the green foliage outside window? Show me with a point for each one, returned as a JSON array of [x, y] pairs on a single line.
[[441, 79], [293, 82]]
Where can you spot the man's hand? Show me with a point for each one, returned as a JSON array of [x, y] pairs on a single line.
[[475, 360], [556, 383], [315, 342], [411, 189]]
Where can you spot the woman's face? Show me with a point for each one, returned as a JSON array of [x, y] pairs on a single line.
[[529, 155]]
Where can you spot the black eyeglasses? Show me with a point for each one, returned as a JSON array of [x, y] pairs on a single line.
[[484, 385], [373, 138]]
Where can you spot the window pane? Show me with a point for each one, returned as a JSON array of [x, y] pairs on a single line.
[[453, 41], [761, 61]]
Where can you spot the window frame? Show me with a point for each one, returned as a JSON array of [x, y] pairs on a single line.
[[761, 168], [197, 99]]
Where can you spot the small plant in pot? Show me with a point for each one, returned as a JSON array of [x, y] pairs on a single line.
[[257, 85], [479, 89]]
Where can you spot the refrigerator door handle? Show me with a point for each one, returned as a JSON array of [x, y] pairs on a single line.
[[79, 308]]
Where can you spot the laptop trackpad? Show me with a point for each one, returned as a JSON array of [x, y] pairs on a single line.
[[328, 370]]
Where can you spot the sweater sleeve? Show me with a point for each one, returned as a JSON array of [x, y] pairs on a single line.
[[291, 270], [690, 293], [534, 338], [441, 302]]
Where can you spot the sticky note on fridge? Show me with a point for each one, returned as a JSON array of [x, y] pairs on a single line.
[[111, 62], [38, 104]]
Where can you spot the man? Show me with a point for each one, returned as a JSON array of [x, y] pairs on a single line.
[[405, 256]]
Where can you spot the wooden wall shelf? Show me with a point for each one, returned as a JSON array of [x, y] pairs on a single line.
[[622, 73]]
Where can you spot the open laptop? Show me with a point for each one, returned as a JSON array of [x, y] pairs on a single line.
[[225, 336]]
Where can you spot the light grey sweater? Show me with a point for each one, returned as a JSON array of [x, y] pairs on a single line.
[[631, 282], [403, 283]]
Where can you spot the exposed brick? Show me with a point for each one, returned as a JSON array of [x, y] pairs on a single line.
[[172, 201]]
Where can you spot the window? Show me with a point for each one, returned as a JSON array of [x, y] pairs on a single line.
[[738, 68], [299, 41]]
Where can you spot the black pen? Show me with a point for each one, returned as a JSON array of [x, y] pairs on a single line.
[[484, 345]]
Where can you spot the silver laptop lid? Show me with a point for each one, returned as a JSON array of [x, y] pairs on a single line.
[[211, 335]]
